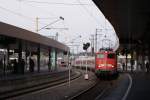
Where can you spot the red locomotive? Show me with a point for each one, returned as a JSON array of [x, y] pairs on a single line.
[[105, 63]]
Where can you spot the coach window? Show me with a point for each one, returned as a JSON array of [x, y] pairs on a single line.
[[111, 55]]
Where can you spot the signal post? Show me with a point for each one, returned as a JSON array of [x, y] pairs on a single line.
[[85, 47]]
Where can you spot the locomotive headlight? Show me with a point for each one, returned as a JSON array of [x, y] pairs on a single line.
[[110, 65], [101, 65]]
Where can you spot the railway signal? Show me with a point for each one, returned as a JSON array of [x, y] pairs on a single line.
[[85, 47]]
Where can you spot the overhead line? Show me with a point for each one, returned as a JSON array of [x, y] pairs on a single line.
[[89, 13], [18, 14], [40, 9], [15, 13], [57, 3], [37, 7]]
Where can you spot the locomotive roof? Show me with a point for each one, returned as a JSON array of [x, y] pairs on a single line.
[[104, 51]]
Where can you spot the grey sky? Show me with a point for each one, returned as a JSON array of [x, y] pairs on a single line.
[[79, 19]]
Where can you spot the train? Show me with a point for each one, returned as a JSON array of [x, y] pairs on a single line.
[[105, 63]]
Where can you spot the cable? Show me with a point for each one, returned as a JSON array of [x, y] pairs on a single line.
[[42, 18], [42, 11], [56, 3], [15, 13], [89, 12], [39, 8], [20, 15]]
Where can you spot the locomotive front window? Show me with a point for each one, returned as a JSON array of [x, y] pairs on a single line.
[[100, 55], [111, 55]]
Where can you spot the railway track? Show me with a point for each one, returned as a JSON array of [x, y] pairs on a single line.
[[96, 92], [40, 86]]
